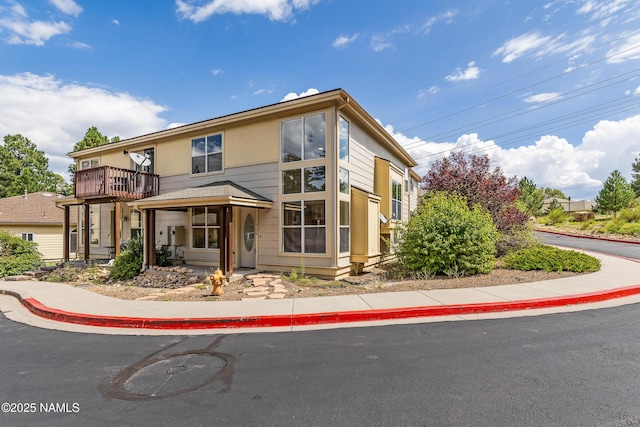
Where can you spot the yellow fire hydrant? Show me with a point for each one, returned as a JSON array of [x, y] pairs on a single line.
[[217, 278]]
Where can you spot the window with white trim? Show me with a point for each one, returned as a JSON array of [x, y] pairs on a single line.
[[205, 228], [396, 200], [307, 180], [343, 143], [304, 227], [345, 217], [89, 163], [136, 223], [27, 236], [206, 154], [343, 179], [303, 138]]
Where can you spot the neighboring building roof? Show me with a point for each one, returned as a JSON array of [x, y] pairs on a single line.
[[215, 193], [33, 208], [332, 97]]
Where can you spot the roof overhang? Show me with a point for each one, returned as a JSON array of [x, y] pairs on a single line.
[[225, 193]]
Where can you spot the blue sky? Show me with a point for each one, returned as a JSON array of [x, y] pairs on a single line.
[[549, 90]]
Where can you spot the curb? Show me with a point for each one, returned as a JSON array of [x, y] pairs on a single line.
[[580, 236], [292, 320]]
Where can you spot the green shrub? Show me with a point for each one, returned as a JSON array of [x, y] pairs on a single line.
[[129, 262], [163, 256], [629, 215], [17, 255], [548, 258], [555, 216], [514, 241], [445, 236]]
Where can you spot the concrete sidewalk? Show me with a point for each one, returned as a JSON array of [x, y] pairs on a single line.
[[63, 307]]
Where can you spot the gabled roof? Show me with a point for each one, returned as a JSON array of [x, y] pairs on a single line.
[[215, 193], [338, 97], [33, 208]]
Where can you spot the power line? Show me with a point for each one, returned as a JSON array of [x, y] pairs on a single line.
[[522, 89], [614, 107], [528, 109]]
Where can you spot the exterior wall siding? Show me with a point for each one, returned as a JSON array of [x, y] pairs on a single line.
[[48, 237]]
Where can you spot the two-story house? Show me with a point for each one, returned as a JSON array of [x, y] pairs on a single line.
[[313, 182]]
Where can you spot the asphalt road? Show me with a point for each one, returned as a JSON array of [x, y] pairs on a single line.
[[628, 250], [573, 369], [578, 369]]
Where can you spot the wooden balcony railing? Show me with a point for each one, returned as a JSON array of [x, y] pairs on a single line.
[[107, 181]]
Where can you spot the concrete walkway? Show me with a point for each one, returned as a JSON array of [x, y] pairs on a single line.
[[63, 307]]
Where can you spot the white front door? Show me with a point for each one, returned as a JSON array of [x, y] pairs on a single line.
[[247, 241]]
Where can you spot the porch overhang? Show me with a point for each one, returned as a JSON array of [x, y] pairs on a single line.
[[225, 193]]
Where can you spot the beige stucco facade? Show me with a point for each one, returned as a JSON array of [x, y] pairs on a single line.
[[338, 222]]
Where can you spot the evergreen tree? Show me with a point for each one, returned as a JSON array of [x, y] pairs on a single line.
[[531, 197], [550, 193], [92, 138], [24, 168], [635, 174], [616, 194]]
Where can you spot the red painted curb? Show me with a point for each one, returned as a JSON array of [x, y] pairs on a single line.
[[41, 310]]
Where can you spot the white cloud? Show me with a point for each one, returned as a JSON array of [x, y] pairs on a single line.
[[67, 6], [263, 91], [514, 48], [422, 93], [626, 51], [602, 9], [383, 41], [175, 125], [115, 22], [445, 16], [472, 72], [80, 45], [344, 41], [21, 30], [292, 95], [537, 45], [542, 97], [217, 71], [578, 169], [54, 115], [276, 10]]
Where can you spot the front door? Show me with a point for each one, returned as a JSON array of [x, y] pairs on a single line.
[[247, 240]]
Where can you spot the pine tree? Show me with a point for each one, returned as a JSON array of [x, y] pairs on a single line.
[[635, 182], [24, 168], [92, 138], [616, 194], [531, 197]]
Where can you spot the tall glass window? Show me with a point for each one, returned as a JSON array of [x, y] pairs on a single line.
[[343, 129], [303, 138], [304, 226], [344, 226], [396, 200], [344, 180]]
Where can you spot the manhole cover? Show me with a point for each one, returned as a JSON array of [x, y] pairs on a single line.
[[175, 375]]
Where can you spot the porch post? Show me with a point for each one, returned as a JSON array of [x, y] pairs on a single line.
[[116, 227], [65, 234], [85, 232], [229, 231], [222, 244], [152, 237]]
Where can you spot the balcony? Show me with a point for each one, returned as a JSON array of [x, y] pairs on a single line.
[[110, 182]]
